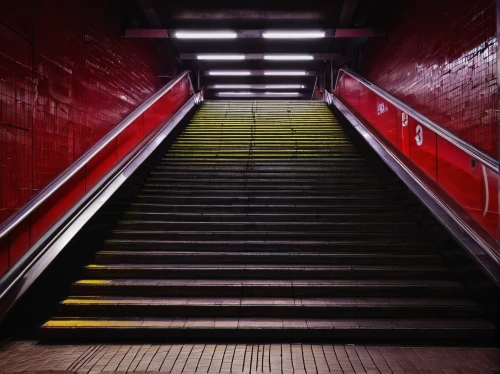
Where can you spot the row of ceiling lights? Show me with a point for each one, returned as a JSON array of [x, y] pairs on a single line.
[[258, 94], [257, 86], [266, 72], [282, 57], [282, 34], [309, 34]]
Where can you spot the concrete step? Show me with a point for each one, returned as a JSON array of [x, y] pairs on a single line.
[[413, 331], [262, 221], [272, 245], [260, 307], [263, 271], [330, 218], [254, 226], [279, 257], [246, 234], [270, 288]]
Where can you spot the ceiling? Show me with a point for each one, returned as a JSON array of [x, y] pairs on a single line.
[[262, 15]]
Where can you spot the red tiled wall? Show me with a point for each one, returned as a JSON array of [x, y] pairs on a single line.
[[66, 78], [440, 58]]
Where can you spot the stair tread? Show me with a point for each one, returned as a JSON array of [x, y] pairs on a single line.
[[264, 254], [264, 267], [268, 209], [269, 323], [288, 242], [269, 301], [250, 233], [240, 223], [268, 283]]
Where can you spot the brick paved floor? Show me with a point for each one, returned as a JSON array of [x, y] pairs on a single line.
[[27, 356]]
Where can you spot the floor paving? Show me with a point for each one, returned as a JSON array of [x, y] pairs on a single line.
[[34, 357]]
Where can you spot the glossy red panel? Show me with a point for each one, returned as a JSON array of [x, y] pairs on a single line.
[[99, 166], [167, 104], [472, 185], [129, 138], [403, 132], [423, 148], [440, 57], [57, 205], [351, 91], [460, 177], [19, 239], [379, 113]]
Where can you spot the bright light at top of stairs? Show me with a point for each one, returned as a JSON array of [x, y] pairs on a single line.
[[220, 57], [285, 72], [293, 34], [257, 94], [257, 86], [267, 34], [288, 57], [230, 72], [282, 93], [206, 35]]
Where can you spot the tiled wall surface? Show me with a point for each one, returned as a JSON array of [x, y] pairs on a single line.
[[440, 58], [66, 78]]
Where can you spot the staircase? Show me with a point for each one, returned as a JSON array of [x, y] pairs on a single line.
[[263, 221]]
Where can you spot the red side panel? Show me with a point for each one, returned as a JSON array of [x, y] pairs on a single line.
[[50, 211], [423, 148], [403, 125], [471, 184], [460, 176]]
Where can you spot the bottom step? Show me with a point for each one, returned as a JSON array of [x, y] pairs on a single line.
[[456, 331]]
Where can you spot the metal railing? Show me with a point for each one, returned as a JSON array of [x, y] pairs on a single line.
[[456, 189], [66, 175], [460, 143], [39, 254]]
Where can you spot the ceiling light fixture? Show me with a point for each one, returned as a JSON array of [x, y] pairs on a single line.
[[282, 93], [241, 93], [220, 57], [258, 94], [285, 72], [288, 57], [229, 73], [206, 35], [257, 86], [284, 86], [232, 86], [293, 34]]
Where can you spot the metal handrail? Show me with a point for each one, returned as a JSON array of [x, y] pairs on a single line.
[[460, 143], [314, 88], [83, 160]]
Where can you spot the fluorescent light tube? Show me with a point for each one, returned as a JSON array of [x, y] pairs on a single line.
[[220, 57], [229, 73], [293, 34], [285, 72], [258, 94], [206, 35], [288, 57], [256, 86], [232, 86], [282, 93], [283, 86], [242, 93]]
